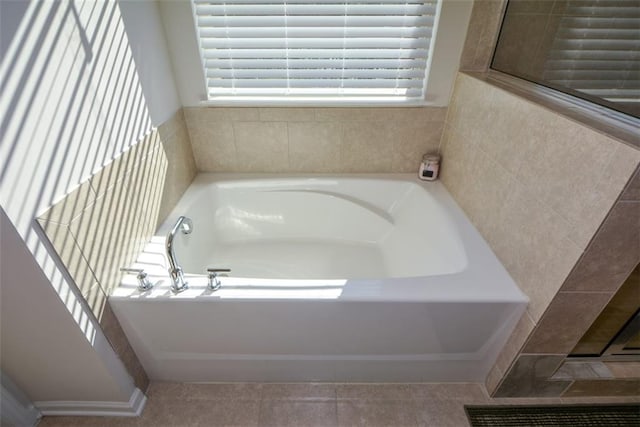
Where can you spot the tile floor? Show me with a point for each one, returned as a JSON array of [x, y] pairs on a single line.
[[308, 404]]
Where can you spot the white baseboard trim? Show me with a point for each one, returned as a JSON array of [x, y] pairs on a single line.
[[132, 408]]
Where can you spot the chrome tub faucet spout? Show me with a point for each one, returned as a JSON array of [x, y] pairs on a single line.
[[185, 225]]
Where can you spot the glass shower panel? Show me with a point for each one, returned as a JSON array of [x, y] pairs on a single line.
[[586, 48]]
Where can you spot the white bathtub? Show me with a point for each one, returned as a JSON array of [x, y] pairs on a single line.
[[334, 278]]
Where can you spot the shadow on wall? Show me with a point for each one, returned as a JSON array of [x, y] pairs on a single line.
[[74, 117], [103, 224]]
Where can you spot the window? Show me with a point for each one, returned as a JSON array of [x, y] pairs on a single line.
[[586, 48], [303, 50]]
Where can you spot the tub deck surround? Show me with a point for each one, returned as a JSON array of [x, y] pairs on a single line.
[[334, 278]]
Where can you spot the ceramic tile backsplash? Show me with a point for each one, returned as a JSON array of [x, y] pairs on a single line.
[[366, 148], [138, 188], [616, 314], [409, 143], [339, 140], [568, 316], [180, 166], [261, 146], [71, 255], [287, 114], [613, 253], [593, 210], [492, 382], [482, 34], [103, 224], [538, 186], [72, 205], [213, 143], [539, 168], [515, 342], [315, 146], [104, 234], [632, 191]]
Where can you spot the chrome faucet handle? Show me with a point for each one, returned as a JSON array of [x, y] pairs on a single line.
[[214, 282], [177, 278], [143, 281]]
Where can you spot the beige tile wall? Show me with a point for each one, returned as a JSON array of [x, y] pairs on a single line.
[[313, 139], [535, 184], [619, 309], [102, 225], [482, 34]]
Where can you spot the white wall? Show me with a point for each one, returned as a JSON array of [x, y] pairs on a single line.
[[149, 48], [72, 100], [43, 350], [178, 21], [179, 27]]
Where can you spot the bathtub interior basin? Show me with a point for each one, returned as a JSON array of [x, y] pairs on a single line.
[[318, 228]]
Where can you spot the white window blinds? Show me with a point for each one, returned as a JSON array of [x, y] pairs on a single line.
[[309, 50]]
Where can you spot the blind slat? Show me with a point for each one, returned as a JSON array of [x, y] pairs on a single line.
[[310, 21], [320, 43], [328, 73], [313, 83], [304, 63], [317, 54]]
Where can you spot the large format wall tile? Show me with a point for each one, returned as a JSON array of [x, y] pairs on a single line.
[[70, 254], [72, 205], [568, 316], [525, 176], [612, 319], [410, 141], [366, 148], [212, 138], [538, 185], [261, 146], [632, 191], [313, 139], [287, 114], [102, 225], [613, 253], [314, 146], [531, 241], [514, 343], [103, 233], [482, 34], [180, 163]]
